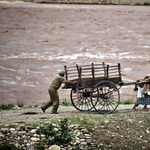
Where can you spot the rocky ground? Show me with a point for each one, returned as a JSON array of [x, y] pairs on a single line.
[[25, 135]]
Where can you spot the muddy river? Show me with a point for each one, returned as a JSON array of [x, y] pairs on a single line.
[[37, 40]]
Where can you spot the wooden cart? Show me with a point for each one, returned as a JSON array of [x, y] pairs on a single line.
[[97, 86]]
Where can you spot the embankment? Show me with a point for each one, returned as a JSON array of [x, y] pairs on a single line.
[[100, 2]]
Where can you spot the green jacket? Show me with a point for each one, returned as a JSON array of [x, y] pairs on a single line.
[[57, 81]]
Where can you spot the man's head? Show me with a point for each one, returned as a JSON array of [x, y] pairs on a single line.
[[62, 73]]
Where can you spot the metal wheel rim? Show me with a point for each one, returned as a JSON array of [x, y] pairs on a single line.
[[80, 102], [108, 97]]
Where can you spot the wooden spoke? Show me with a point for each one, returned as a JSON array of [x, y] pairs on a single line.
[[107, 99]]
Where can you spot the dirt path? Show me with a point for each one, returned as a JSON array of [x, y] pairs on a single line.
[[35, 114]]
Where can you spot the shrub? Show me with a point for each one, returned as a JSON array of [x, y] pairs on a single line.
[[20, 103], [65, 103], [56, 137], [6, 106]]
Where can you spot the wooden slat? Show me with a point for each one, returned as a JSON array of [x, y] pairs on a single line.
[[73, 73], [100, 74], [89, 75], [70, 70], [113, 72], [114, 66], [113, 69]]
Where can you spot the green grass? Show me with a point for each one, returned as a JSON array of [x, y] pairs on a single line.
[[125, 102], [9, 126], [130, 127], [64, 102], [6, 106]]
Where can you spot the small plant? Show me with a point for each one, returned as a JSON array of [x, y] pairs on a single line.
[[7, 106], [65, 103], [56, 137], [20, 103], [65, 135]]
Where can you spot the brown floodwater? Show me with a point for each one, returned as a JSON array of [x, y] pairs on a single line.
[[37, 40]]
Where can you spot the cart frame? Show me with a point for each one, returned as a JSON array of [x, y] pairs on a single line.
[[97, 86]]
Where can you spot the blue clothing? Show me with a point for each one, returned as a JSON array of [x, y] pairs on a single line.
[[143, 100]]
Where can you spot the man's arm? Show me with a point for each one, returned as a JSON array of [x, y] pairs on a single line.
[[70, 82]]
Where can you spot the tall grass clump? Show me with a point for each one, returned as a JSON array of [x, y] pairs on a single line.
[[20, 103], [6, 106]]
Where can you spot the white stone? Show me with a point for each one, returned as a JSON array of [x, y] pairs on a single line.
[[36, 135], [77, 138], [42, 136], [28, 144], [75, 131], [2, 136], [83, 143], [33, 131], [87, 134], [77, 141], [35, 139], [22, 132], [71, 126], [56, 129], [24, 136], [54, 125], [4, 129], [106, 121], [12, 130], [129, 120], [78, 134], [147, 131], [88, 137], [54, 147]]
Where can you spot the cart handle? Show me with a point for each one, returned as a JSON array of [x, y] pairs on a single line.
[[132, 83]]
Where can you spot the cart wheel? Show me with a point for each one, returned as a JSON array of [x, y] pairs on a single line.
[[105, 97], [81, 100]]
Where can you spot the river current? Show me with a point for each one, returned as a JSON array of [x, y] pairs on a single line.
[[37, 40]]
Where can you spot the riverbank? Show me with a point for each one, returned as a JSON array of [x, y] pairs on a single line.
[[99, 2], [89, 128]]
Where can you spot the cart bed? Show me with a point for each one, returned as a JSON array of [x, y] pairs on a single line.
[[89, 75]]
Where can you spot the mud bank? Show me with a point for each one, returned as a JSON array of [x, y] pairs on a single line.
[[101, 2]]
